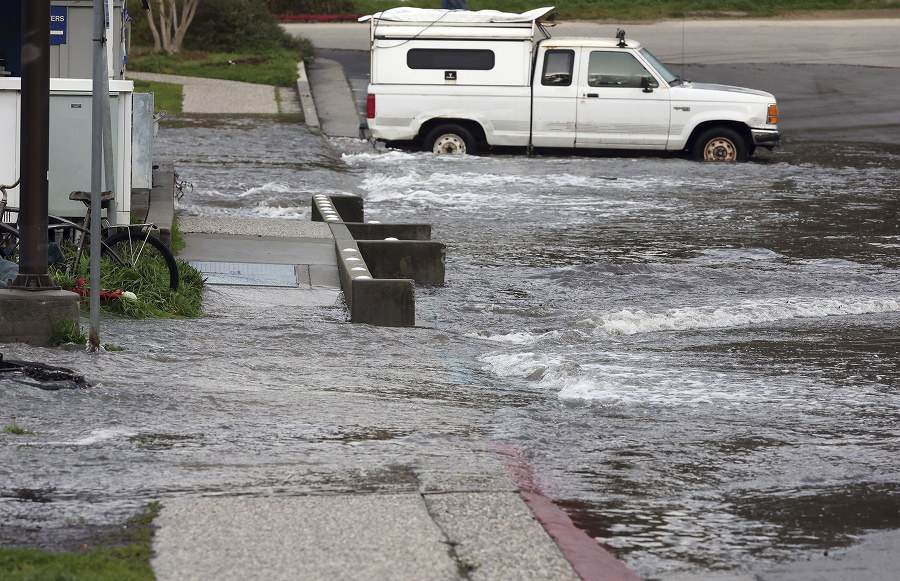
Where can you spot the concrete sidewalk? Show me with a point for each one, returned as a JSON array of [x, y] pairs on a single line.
[[333, 101], [220, 97], [490, 535]]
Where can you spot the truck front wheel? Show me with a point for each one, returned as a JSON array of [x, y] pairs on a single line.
[[720, 144], [450, 139]]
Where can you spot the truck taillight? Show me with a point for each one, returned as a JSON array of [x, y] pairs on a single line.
[[370, 107], [773, 114]]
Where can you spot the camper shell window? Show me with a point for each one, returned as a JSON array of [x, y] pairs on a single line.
[[450, 59]]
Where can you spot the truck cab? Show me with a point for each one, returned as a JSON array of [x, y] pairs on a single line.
[[454, 81]]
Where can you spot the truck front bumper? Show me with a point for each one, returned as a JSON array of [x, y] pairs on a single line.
[[768, 138]]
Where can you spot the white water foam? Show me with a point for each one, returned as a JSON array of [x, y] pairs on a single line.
[[99, 435], [364, 159], [291, 213], [628, 322], [269, 188], [625, 378]]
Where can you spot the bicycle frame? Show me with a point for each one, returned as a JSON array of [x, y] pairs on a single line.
[[58, 223]]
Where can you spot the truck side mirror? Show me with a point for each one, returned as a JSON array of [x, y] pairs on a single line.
[[645, 85]]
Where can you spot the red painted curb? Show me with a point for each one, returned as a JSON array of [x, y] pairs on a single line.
[[590, 561]]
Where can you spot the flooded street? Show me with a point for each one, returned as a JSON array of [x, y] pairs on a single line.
[[716, 344], [699, 360]]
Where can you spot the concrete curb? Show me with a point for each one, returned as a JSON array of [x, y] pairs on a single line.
[[307, 104], [591, 561]]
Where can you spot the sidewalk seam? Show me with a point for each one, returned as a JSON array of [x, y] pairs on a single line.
[[462, 567]]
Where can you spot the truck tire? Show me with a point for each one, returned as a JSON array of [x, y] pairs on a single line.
[[451, 139], [721, 144]]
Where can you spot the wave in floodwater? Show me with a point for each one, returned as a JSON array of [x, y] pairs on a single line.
[[674, 345], [580, 365], [621, 379], [628, 322], [631, 322]]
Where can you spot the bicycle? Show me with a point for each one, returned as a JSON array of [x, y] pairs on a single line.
[[133, 246]]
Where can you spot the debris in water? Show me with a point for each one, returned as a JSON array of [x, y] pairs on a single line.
[[46, 377]]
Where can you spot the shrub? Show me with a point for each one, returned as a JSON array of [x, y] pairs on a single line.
[[238, 26], [233, 26], [311, 6]]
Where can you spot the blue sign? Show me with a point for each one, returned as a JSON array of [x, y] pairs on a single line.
[[58, 18]]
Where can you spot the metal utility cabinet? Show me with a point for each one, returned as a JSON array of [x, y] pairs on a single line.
[[71, 66], [70, 142]]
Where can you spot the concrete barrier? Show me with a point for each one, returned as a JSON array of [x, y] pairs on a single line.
[[422, 261], [378, 277], [383, 302], [375, 231], [348, 208], [29, 316]]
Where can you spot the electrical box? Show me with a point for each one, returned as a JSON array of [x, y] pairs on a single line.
[[70, 142], [71, 34]]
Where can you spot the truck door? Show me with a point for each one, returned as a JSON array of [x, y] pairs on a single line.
[[554, 105], [621, 104]]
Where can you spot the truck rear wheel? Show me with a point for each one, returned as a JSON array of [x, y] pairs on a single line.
[[451, 139], [720, 144]]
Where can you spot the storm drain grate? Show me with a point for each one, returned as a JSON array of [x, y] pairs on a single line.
[[247, 274]]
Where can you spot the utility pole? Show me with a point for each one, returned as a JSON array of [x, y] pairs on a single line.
[[101, 142], [35, 147]]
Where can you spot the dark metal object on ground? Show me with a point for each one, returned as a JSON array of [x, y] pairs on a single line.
[[46, 377]]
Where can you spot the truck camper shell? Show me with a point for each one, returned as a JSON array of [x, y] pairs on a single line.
[[482, 48]]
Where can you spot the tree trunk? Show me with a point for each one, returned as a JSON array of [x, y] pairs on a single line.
[[167, 28], [151, 20], [187, 16]]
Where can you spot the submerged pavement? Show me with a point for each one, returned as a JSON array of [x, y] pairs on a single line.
[[447, 530]]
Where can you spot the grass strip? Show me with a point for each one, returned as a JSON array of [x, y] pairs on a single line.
[[127, 559], [276, 67], [168, 96]]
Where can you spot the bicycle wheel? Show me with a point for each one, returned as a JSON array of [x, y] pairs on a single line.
[[143, 253], [9, 242]]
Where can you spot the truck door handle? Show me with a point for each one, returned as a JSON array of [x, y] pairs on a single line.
[[592, 95]]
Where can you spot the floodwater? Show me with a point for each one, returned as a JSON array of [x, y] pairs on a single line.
[[699, 360]]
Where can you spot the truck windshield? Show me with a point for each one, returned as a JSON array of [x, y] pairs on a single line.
[[668, 75]]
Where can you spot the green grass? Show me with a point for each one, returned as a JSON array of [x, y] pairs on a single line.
[[67, 331], [151, 285], [276, 67], [168, 96], [14, 429], [178, 242], [128, 562], [640, 9]]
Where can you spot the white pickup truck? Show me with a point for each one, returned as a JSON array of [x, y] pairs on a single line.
[[452, 81]]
